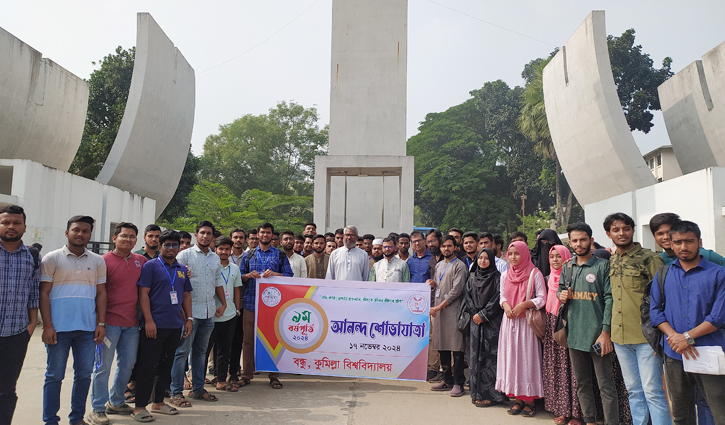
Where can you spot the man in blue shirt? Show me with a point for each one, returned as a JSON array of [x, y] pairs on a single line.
[[660, 225], [691, 314], [263, 261], [418, 262]]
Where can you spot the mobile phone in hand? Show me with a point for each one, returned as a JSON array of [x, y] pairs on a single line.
[[598, 348]]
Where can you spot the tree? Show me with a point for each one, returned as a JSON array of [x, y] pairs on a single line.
[[109, 86], [273, 152], [178, 205], [636, 80]]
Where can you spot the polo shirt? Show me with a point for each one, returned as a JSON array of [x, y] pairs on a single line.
[[160, 277], [146, 255], [19, 289], [707, 254], [205, 277], [691, 297], [122, 275], [73, 294], [418, 267], [232, 278]]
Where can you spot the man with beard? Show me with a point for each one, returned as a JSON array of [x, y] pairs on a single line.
[[632, 268], [368, 244], [310, 229], [376, 251], [317, 262], [307, 246], [73, 305], [458, 237], [433, 241], [238, 237], [660, 225], [299, 268], [330, 246], [19, 286], [589, 325], [299, 244], [403, 247], [151, 235], [340, 237], [391, 268], [348, 262], [206, 281], [470, 248]]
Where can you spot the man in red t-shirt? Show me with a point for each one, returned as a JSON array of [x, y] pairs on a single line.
[[123, 272]]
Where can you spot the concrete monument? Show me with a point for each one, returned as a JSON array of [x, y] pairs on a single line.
[[366, 180]]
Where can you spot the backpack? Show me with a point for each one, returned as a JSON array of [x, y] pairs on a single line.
[[282, 257], [654, 336], [36, 257]]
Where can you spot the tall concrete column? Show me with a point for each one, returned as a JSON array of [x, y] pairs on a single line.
[[367, 180]]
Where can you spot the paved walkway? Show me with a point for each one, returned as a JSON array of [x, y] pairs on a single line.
[[304, 400]]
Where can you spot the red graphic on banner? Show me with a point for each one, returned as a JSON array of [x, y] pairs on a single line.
[[272, 298]]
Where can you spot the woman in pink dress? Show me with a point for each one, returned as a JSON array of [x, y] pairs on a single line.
[[518, 373]]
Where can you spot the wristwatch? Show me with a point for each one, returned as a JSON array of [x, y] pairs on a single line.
[[101, 324], [190, 318], [690, 340]]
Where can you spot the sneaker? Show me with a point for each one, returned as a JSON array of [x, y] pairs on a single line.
[[437, 378], [457, 391], [441, 386], [98, 418], [124, 409]]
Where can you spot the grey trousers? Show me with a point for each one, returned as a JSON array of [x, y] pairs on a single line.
[[581, 365], [681, 387]]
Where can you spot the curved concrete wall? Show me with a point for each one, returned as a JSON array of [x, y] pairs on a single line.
[[592, 139], [42, 106], [693, 106], [149, 152]]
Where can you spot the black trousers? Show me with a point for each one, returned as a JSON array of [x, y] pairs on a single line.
[[155, 357], [235, 358], [12, 354], [457, 377], [221, 338], [581, 365], [681, 386]]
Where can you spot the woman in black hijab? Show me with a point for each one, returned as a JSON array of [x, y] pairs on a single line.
[[481, 299], [540, 252]]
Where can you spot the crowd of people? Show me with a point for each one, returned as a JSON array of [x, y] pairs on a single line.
[[173, 311]]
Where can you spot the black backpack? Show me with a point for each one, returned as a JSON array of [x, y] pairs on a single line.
[[36, 257], [282, 257], [654, 336]]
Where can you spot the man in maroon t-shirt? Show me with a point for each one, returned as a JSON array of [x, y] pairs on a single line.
[[123, 272]]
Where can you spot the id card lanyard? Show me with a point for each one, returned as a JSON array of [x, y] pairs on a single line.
[[226, 282], [172, 293], [261, 259], [440, 277]]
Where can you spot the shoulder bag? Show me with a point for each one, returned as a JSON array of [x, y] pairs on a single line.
[[561, 318], [534, 317]]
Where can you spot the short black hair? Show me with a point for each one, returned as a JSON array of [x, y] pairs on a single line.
[[238, 230], [404, 235], [518, 234], [185, 235], [288, 232], [13, 209], [498, 240], [330, 235], [368, 236], [125, 225], [311, 224], [582, 227], [684, 226], [448, 238], [205, 223], [299, 238], [151, 228], [611, 218], [80, 219], [417, 232], [319, 236], [252, 232], [275, 233], [266, 225], [308, 237], [389, 240], [169, 235], [662, 218], [486, 235], [217, 234], [340, 231], [435, 232], [457, 230], [473, 235], [223, 240]]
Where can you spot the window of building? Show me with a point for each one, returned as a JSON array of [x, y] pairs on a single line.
[[652, 164], [659, 160]]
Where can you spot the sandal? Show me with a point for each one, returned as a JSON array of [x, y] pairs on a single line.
[[142, 416], [178, 400], [529, 411], [484, 403], [187, 384], [441, 386], [165, 410], [274, 383], [560, 420], [130, 395], [225, 386], [204, 395], [516, 408]]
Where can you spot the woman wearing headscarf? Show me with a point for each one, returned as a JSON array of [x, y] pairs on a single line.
[[481, 299], [518, 373], [540, 252], [560, 396]]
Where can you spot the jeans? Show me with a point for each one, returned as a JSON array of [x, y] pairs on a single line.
[[704, 415], [124, 341], [457, 377], [642, 372], [196, 344], [12, 353], [222, 336], [682, 388], [581, 365], [84, 351], [157, 360], [235, 358]]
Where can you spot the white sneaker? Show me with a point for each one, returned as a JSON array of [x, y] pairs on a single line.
[[98, 418]]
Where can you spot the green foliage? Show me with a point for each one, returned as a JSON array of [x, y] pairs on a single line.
[[217, 203], [273, 152], [178, 205], [636, 80], [531, 223], [109, 86]]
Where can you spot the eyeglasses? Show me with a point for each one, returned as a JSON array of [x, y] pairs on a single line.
[[171, 246], [416, 241], [388, 247]]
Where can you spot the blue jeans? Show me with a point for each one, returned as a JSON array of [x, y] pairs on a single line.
[[124, 341], [196, 344], [84, 350], [642, 372]]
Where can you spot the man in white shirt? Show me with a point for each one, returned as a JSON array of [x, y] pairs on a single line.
[[391, 268], [296, 261], [348, 262]]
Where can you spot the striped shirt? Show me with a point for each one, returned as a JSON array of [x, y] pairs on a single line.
[[73, 296], [19, 282]]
